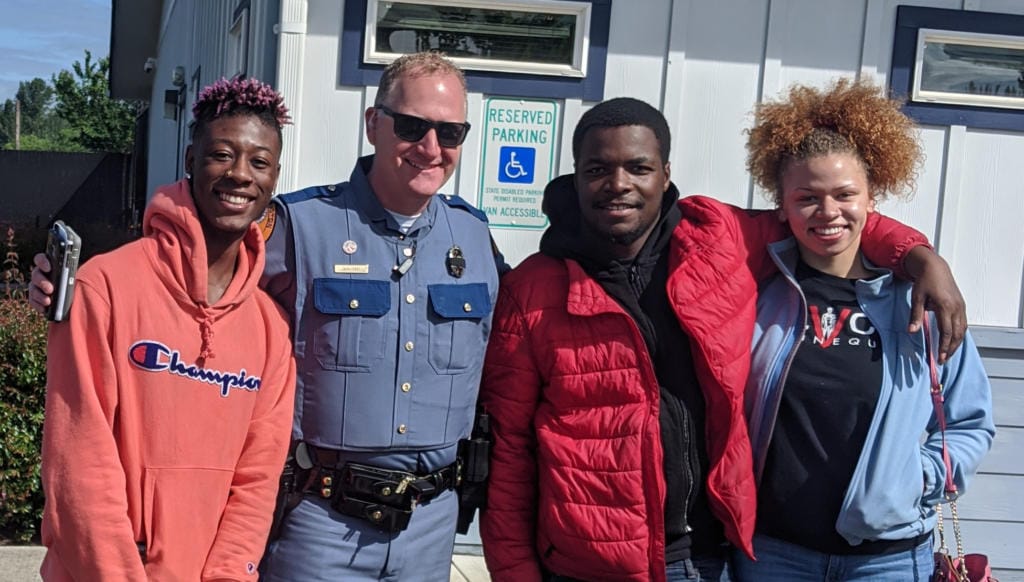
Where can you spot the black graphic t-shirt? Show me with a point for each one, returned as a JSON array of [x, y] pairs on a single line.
[[829, 397]]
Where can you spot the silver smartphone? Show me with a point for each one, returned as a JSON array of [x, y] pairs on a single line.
[[63, 247]]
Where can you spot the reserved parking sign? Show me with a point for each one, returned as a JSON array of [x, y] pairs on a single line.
[[519, 138]]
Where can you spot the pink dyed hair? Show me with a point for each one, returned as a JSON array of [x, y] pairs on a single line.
[[234, 96]]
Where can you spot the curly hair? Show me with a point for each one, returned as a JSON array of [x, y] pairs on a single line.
[[619, 112], [416, 65], [848, 117], [239, 97]]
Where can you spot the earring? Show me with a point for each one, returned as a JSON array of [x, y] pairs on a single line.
[[188, 175], [228, 174]]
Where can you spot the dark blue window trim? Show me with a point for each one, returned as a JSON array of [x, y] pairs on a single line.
[[355, 72], [911, 18]]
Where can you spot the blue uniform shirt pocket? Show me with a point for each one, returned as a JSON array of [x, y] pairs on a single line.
[[350, 322], [457, 333]]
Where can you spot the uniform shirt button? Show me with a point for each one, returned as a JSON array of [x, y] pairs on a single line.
[[467, 307], [353, 304], [331, 188], [410, 298], [408, 346], [401, 429], [406, 387], [407, 251]]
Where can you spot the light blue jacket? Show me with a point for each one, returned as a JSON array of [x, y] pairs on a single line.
[[900, 475]]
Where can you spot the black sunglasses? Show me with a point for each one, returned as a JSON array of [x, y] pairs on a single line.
[[412, 129]]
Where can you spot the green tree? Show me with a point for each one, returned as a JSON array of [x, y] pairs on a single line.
[[59, 142], [96, 122], [36, 98], [37, 114]]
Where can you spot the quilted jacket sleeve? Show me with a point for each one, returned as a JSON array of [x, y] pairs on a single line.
[[509, 392], [884, 241]]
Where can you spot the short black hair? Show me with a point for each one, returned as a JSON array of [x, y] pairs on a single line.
[[619, 112]]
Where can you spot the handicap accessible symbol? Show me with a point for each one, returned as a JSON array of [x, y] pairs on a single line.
[[515, 165]]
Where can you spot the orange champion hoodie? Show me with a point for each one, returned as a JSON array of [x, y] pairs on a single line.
[[167, 419]]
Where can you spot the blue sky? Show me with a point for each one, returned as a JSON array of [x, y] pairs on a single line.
[[38, 38]]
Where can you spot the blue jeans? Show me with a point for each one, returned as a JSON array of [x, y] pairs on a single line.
[[779, 561], [700, 569]]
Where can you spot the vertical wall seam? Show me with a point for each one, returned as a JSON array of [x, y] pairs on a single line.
[[761, 79], [291, 31], [951, 189]]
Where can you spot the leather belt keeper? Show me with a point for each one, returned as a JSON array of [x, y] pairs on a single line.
[[384, 497]]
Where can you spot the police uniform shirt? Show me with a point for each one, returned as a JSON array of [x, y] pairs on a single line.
[[389, 328]]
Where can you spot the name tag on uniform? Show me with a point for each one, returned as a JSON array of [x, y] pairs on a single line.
[[351, 269]]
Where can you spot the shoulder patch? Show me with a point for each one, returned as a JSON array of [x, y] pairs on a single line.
[[461, 203], [267, 222], [327, 191]]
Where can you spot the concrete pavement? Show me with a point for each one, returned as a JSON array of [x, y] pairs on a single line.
[[21, 564]]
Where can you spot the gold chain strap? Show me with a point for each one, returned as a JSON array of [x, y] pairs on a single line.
[[959, 563]]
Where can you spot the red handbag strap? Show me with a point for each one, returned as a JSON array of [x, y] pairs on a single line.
[[937, 403]]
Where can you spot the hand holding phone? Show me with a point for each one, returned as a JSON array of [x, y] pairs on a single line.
[[63, 247]]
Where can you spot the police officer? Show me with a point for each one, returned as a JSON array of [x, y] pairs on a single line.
[[390, 288]]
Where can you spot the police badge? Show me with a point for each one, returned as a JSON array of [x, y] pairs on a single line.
[[455, 262]]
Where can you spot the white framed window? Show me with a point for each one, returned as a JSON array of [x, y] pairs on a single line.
[[535, 37], [238, 44], [969, 68]]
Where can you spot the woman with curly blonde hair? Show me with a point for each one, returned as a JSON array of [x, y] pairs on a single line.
[[837, 399]]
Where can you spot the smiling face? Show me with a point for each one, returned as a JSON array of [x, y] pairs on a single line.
[[621, 181], [826, 200], [234, 162], [406, 174]]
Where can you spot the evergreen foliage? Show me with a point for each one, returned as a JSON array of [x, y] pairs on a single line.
[[22, 400]]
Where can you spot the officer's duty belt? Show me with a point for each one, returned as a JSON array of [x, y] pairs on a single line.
[[384, 497]]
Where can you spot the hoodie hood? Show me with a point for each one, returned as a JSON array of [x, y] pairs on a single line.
[[180, 258], [563, 238]]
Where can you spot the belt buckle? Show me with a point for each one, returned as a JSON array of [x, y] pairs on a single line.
[[386, 518]]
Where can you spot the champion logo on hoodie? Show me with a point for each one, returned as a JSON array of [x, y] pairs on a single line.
[[154, 356]]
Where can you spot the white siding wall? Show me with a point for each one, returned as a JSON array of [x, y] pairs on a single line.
[[194, 35], [166, 149], [707, 64], [990, 510]]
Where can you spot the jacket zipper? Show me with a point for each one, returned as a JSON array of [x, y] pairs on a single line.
[[778, 376], [634, 281], [645, 355], [691, 464]]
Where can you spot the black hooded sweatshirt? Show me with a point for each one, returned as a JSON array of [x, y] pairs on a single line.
[[638, 285]]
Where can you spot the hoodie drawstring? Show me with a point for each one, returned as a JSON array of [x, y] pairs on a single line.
[[206, 330]]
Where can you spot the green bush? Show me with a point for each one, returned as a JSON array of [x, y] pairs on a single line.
[[22, 399]]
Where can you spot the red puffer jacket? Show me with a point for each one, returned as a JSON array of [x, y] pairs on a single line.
[[578, 458], [576, 478]]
